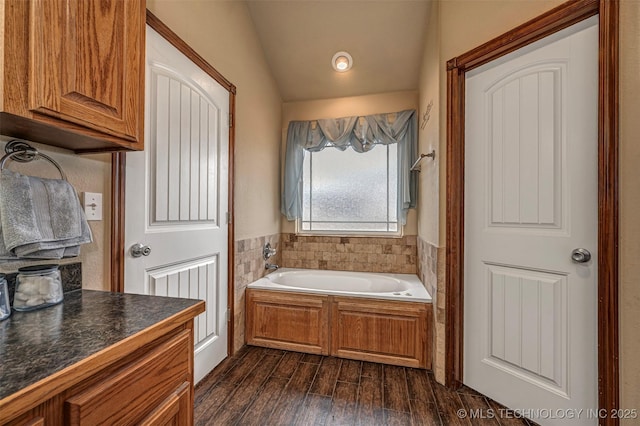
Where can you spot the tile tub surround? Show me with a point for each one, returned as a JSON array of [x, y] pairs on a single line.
[[427, 265], [431, 272], [249, 268], [362, 254]]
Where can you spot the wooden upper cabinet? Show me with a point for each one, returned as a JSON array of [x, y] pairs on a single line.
[[85, 54], [74, 73]]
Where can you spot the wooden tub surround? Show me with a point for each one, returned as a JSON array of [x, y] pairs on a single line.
[[385, 331]]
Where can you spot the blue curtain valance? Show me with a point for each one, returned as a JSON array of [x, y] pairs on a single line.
[[362, 134]]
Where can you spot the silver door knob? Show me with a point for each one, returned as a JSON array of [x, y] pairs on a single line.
[[139, 249], [580, 255]]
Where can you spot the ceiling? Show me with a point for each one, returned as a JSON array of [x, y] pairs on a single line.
[[299, 38]]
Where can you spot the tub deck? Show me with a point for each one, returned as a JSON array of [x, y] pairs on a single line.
[[407, 287]]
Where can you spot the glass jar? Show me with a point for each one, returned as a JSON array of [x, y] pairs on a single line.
[[5, 308], [37, 287]]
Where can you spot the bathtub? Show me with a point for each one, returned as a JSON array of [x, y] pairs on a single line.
[[405, 287], [364, 316]]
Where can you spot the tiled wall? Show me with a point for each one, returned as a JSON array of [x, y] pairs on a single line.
[[363, 254], [249, 268], [431, 272], [427, 265]]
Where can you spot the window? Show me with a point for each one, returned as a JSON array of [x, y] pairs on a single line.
[[347, 192], [362, 184]]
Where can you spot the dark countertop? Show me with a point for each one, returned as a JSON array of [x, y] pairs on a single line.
[[37, 344]]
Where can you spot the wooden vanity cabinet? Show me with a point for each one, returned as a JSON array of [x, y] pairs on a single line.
[[153, 385], [72, 73], [138, 389]]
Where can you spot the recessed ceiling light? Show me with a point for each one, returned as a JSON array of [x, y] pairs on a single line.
[[342, 62]]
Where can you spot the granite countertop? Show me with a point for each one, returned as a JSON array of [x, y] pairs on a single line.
[[37, 344]]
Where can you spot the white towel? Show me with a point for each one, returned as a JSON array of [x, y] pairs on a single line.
[[40, 218]]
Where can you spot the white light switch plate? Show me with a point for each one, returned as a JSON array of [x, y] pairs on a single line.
[[92, 205]]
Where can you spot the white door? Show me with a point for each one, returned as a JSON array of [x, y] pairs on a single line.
[[177, 195], [531, 185]]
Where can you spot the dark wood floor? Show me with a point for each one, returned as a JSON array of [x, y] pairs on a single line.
[[260, 386]]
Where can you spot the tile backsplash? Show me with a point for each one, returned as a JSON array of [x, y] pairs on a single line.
[[363, 254]]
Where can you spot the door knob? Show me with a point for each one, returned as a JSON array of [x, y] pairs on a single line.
[[139, 249], [580, 255]]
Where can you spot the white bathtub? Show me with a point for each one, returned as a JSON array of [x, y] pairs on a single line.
[[357, 284]]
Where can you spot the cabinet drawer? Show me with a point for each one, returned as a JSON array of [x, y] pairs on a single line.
[[177, 409], [134, 391]]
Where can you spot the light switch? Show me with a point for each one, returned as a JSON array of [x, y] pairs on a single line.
[[93, 205]]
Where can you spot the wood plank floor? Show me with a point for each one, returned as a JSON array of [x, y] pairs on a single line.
[[260, 386]]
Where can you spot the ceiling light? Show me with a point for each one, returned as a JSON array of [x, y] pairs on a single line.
[[342, 62]]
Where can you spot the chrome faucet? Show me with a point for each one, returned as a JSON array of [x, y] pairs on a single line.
[[267, 252]]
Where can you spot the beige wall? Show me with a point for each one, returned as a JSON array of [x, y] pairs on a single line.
[[346, 107], [629, 205], [430, 253], [429, 133], [222, 32], [87, 173]]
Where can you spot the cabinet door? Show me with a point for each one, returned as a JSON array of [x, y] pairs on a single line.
[[389, 332], [87, 63], [290, 321]]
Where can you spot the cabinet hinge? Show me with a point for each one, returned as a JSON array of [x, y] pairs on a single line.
[[230, 119], [228, 315], [228, 217]]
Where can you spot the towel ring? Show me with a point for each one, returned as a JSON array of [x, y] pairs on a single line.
[[22, 152]]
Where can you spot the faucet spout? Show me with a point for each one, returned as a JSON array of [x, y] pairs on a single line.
[[270, 266]]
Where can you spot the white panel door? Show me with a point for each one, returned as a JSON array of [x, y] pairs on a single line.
[[177, 195], [531, 186]]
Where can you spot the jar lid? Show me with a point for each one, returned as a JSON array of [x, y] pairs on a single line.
[[37, 269]]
